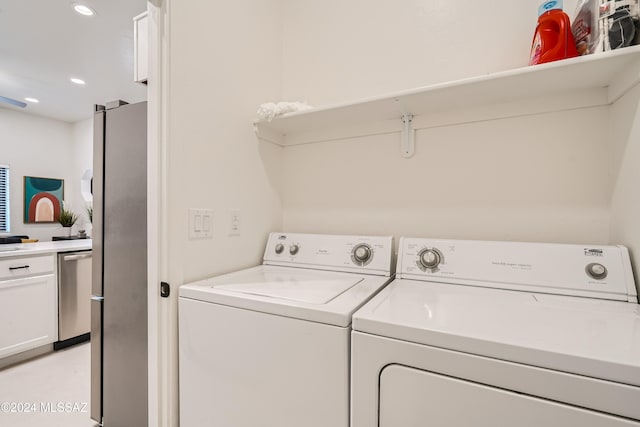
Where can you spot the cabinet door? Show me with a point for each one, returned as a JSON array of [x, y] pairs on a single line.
[[28, 313], [141, 48]]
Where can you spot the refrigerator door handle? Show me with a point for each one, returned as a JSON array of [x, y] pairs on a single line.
[[96, 298]]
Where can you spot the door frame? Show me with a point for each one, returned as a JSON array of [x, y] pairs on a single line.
[[161, 409]]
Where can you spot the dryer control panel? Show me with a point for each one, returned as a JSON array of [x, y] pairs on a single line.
[[595, 271], [368, 254]]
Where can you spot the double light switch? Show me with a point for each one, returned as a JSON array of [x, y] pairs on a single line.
[[200, 223]]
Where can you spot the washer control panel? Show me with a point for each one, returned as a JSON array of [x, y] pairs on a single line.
[[580, 270], [338, 252]]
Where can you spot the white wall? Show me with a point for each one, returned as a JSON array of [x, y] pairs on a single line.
[[507, 179], [342, 50], [625, 202], [37, 146], [225, 61]]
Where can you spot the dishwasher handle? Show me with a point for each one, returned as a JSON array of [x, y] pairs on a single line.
[[76, 257]]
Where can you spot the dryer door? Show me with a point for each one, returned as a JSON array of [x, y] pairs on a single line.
[[414, 398]]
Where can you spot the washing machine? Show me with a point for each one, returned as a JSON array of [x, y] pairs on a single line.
[[269, 346], [499, 334]]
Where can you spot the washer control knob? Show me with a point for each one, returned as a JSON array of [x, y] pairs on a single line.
[[362, 253], [293, 249], [429, 258], [279, 248], [597, 271]]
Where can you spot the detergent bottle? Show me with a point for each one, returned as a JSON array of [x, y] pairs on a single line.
[[553, 39]]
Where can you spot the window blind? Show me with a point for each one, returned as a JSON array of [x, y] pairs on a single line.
[[4, 199]]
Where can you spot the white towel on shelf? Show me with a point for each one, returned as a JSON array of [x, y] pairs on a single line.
[[270, 110]]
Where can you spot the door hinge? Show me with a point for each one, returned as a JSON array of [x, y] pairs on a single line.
[[165, 289]]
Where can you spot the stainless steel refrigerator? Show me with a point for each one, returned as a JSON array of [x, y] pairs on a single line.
[[119, 396]]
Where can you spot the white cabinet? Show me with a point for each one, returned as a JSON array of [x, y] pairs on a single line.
[[28, 303], [141, 48]]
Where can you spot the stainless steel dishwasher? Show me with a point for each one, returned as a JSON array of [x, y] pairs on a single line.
[[74, 298]]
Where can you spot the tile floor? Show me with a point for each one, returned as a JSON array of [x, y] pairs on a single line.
[[55, 387]]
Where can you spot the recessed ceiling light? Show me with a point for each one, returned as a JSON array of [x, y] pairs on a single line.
[[83, 9], [77, 81], [35, 101]]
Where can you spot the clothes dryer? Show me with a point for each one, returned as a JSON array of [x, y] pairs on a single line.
[[500, 334], [269, 345]]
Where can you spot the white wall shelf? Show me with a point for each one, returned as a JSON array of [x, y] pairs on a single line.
[[599, 79]]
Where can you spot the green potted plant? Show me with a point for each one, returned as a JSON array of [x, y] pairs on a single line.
[[67, 218]]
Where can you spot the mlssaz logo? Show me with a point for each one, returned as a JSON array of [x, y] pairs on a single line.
[[593, 252], [282, 237]]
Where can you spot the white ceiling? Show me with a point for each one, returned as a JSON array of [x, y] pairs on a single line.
[[43, 43]]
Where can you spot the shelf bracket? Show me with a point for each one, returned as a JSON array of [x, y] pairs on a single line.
[[408, 147]]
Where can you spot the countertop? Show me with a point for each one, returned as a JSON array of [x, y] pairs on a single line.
[[22, 249]]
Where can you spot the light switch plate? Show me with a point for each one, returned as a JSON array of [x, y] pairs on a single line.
[[200, 223]]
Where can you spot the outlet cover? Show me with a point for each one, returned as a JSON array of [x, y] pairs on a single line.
[[235, 223]]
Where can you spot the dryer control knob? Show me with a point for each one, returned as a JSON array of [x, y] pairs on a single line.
[[279, 248], [293, 249], [596, 271], [429, 258], [362, 253]]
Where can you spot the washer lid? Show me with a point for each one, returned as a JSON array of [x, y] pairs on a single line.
[[586, 336], [314, 287], [313, 295]]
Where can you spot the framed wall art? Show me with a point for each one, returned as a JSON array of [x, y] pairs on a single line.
[[42, 199]]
